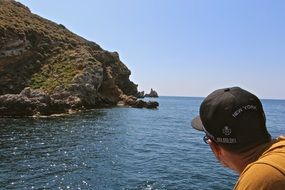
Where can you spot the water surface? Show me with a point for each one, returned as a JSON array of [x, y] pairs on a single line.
[[117, 148]]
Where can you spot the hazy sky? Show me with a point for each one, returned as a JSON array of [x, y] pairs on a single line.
[[185, 47]]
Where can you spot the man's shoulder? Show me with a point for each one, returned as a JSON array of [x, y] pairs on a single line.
[[261, 175], [268, 172]]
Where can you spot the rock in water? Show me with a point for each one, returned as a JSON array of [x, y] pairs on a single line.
[[152, 94], [61, 69]]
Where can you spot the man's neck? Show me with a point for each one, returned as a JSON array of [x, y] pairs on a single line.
[[239, 162]]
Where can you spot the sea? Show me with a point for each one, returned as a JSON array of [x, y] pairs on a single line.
[[117, 149]]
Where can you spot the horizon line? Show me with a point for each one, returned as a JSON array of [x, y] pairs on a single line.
[[189, 96]]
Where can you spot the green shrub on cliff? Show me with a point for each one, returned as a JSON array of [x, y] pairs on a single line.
[[54, 75]]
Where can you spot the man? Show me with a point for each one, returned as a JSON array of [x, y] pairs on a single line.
[[234, 124]]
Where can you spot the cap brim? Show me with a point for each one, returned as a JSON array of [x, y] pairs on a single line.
[[197, 124]]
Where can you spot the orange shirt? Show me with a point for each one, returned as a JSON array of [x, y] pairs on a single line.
[[266, 173]]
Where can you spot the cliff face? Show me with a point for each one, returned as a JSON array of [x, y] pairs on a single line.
[[51, 60]]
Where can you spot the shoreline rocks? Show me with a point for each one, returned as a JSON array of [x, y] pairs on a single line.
[[133, 101], [35, 102]]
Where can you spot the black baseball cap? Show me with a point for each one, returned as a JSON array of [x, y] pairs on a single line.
[[232, 117]]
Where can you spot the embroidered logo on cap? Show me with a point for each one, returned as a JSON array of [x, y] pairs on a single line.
[[227, 131]]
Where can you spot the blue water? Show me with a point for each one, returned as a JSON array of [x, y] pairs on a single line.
[[117, 148]]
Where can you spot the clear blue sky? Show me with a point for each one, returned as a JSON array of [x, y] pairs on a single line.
[[185, 47]]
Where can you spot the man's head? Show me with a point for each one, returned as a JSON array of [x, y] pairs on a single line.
[[233, 118]]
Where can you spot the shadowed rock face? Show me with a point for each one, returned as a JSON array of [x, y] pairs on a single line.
[[69, 71]]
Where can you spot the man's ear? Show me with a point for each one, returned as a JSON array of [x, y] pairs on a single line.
[[216, 149]]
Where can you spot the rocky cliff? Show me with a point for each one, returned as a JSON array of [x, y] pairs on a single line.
[[45, 68]]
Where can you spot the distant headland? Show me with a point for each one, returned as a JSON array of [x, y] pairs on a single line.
[[46, 69]]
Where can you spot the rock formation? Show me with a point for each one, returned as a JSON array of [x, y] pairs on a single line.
[[140, 94], [152, 94], [46, 69]]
